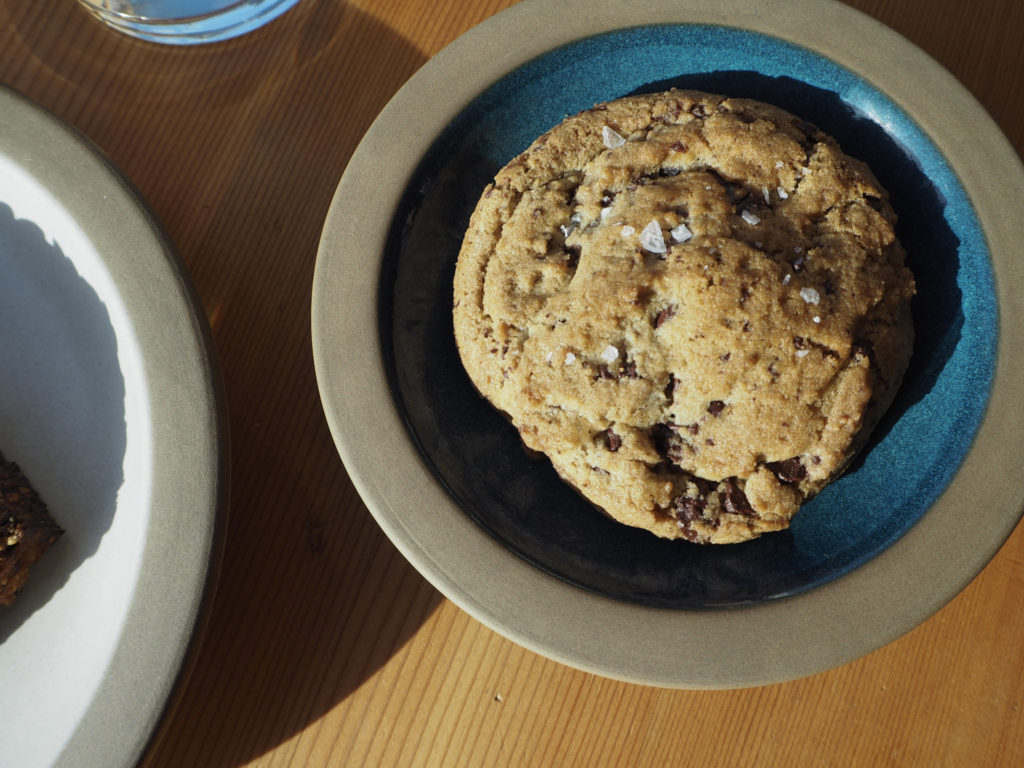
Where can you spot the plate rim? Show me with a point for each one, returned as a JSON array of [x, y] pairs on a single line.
[[861, 602], [181, 556]]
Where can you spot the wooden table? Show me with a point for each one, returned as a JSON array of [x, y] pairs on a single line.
[[324, 647]]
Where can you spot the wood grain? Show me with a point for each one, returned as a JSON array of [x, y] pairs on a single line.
[[324, 647]]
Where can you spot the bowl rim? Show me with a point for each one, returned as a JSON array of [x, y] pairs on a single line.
[[830, 625]]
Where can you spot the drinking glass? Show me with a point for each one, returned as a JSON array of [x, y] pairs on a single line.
[[185, 22]]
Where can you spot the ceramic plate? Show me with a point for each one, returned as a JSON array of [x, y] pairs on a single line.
[[109, 402], [497, 531]]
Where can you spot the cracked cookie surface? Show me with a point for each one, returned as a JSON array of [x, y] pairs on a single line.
[[696, 307]]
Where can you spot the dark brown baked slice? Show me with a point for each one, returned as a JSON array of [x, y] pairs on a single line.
[[26, 529]]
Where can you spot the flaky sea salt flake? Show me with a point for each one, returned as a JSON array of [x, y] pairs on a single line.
[[611, 138], [810, 295], [783, 194], [651, 238], [802, 352], [574, 222], [610, 354], [627, 231], [681, 233], [750, 218]]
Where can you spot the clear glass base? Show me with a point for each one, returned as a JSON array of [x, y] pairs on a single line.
[[183, 22]]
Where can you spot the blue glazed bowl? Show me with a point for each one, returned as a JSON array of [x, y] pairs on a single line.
[[476, 453], [919, 513]]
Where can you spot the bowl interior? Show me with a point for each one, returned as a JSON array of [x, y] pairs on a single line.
[[520, 500]]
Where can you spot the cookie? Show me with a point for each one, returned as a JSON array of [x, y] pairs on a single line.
[[695, 306]]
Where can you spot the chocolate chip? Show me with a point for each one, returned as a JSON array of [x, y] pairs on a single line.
[[670, 389], [788, 471], [715, 407], [735, 501], [613, 440], [688, 533], [688, 508], [664, 316]]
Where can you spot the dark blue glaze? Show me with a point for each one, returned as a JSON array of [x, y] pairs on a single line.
[[477, 455]]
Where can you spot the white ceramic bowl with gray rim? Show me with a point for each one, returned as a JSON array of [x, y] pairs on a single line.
[[110, 401]]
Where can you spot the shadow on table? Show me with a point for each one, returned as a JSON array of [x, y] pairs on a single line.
[[238, 148]]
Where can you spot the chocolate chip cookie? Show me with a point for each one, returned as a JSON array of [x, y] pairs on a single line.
[[695, 306]]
